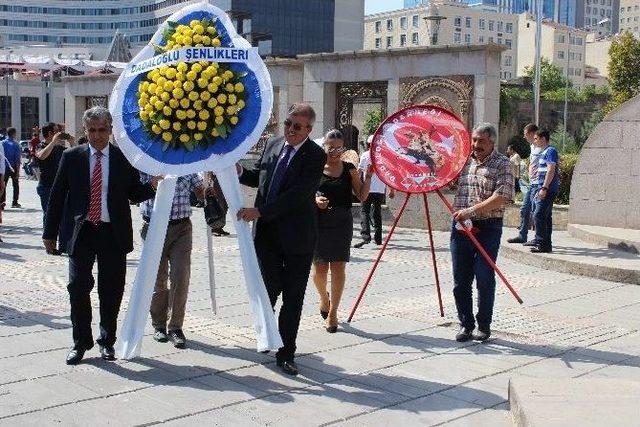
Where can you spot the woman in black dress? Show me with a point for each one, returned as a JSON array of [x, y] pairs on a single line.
[[335, 224]]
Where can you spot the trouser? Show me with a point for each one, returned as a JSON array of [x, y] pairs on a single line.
[[15, 182], [468, 264], [543, 219], [373, 203], [285, 274], [96, 241], [43, 192], [175, 265], [526, 209]]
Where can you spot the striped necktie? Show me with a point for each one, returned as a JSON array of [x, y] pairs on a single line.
[[95, 203]]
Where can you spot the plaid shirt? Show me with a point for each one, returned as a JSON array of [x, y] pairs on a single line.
[[480, 180], [181, 207]]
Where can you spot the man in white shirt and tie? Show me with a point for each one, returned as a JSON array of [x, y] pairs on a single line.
[[95, 184]]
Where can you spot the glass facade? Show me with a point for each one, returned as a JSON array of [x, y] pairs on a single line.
[[414, 3], [293, 26]]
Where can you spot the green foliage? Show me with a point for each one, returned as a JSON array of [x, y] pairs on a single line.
[[520, 145], [624, 69], [569, 147], [372, 120], [565, 173], [507, 97], [589, 126], [551, 77]]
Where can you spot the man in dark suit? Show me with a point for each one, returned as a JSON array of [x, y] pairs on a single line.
[[287, 177], [94, 183]]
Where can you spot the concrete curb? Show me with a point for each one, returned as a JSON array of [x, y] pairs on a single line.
[[549, 262], [517, 411], [590, 234]]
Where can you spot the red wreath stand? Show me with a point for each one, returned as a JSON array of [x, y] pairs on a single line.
[[418, 150]]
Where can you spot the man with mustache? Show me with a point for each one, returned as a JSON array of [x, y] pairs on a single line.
[[485, 186]]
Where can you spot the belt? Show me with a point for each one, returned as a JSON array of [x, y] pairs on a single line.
[[171, 221]]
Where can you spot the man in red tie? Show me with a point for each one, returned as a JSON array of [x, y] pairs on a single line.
[[95, 183]]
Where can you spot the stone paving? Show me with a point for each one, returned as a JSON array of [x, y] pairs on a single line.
[[395, 363]]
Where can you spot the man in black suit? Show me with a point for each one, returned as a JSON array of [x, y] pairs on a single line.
[[94, 183], [287, 177]]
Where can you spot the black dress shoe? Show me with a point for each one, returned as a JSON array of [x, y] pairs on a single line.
[[324, 314], [515, 240], [361, 244], [107, 352], [464, 334], [288, 367], [160, 335], [540, 250], [483, 334], [530, 243], [178, 338], [16, 205], [75, 356], [332, 329]]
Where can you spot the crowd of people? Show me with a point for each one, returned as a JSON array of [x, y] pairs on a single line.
[[302, 214]]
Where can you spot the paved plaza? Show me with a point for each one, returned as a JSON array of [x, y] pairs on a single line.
[[396, 363]]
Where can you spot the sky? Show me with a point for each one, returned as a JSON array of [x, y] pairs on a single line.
[[375, 6]]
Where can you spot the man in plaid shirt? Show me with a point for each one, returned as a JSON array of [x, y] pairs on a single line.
[[169, 304], [485, 186]]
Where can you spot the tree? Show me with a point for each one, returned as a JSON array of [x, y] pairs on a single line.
[[569, 146], [589, 126], [624, 69], [551, 77], [372, 120]]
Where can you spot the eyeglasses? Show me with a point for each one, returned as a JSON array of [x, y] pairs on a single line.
[[296, 126], [334, 149]]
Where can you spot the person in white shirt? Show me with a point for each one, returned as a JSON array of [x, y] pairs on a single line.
[[372, 206]]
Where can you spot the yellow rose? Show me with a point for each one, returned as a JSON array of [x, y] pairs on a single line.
[[144, 115], [197, 39], [177, 84], [212, 103], [239, 87], [212, 87], [181, 114], [180, 76], [191, 114], [161, 81], [156, 129], [197, 104], [211, 30], [165, 96], [188, 41], [240, 104], [184, 103], [214, 133], [217, 80], [204, 95], [222, 98], [196, 67], [193, 95], [176, 126], [164, 124], [168, 86], [159, 105], [206, 40], [191, 125], [191, 75], [151, 89], [148, 108], [198, 136], [232, 99], [198, 29], [194, 23], [216, 42], [219, 120], [202, 125], [182, 66], [179, 40], [142, 102], [159, 91], [233, 120], [202, 83], [173, 103], [188, 86], [203, 114], [218, 111], [171, 73], [184, 138], [167, 110], [167, 137], [231, 110], [143, 86], [229, 87]]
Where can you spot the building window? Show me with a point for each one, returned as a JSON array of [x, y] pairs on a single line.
[[507, 42], [480, 39], [5, 111], [570, 72], [500, 26], [389, 24], [579, 41], [572, 56], [415, 38], [490, 39], [609, 13], [29, 113], [378, 42], [579, 56], [403, 39], [467, 22], [481, 23], [378, 24], [560, 38], [416, 21], [389, 41], [561, 54], [509, 27], [507, 60], [467, 38], [403, 22], [490, 25], [456, 37], [499, 40], [457, 21], [588, 10]]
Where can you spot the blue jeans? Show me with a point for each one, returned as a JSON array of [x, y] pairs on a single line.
[[44, 191], [543, 219], [468, 264], [525, 211]]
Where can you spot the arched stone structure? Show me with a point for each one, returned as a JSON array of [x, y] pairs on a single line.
[[605, 189]]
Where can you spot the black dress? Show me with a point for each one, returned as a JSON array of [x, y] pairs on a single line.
[[335, 223]]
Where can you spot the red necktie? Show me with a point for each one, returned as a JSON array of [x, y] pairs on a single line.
[[95, 203]]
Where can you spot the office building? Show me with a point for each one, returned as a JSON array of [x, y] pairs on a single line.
[[629, 16]]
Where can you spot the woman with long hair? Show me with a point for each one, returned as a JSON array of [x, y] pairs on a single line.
[[335, 224]]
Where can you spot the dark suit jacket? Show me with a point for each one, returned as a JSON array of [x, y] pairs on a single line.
[[293, 210], [72, 183]]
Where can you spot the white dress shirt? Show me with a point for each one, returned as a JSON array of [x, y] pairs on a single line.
[[104, 163], [377, 186], [2, 159]]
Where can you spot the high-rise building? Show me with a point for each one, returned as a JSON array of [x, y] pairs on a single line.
[[278, 27], [630, 16], [461, 24], [414, 3]]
